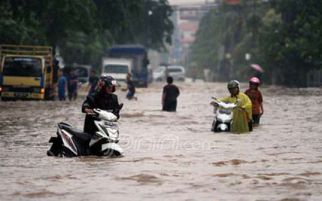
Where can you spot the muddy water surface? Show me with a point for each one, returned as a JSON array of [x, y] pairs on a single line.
[[169, 156]]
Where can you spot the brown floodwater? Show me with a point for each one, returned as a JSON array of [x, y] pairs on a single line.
[[169, 156]]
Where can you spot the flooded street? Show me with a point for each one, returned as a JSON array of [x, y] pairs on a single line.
[[169, 156]]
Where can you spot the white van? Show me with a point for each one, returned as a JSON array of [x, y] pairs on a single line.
[[177, 72], [118, 68], [159, 74]]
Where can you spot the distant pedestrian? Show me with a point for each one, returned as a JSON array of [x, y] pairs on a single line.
[[62, 85], [92, 82], [169, 96], [194, 74], [72, 85], [256, 97], [130, 87], [55, 71]]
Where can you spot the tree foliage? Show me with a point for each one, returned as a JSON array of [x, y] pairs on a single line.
[[284, 36], [84, 29]]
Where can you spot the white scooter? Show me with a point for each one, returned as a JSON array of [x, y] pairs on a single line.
[[223, 116], [71, 142]]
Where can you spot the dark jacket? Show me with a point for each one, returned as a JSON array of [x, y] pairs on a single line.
[[101, 100]]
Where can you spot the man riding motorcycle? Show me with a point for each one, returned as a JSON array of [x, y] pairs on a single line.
[[242, 114], [103, 98], [102, 109]]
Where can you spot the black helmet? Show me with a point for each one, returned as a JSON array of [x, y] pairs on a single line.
[[107, 81], [233, 84]]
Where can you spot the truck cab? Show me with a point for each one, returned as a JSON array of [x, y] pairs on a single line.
[[138, 55], [118, 68], [26, 72]]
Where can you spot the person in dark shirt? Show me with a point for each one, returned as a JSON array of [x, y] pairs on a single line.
[[72, 85], [103, 98], [92, 82], [55, 71], [169, 96], [130, 87]]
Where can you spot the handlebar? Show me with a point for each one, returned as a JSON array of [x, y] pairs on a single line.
[[217, 103]]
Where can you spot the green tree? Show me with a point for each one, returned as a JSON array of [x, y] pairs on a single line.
[[293, 45], [84, 29], [219, 33], [283, 36], [18, 26], [143, 21]]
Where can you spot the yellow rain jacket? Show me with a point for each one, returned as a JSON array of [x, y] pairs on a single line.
[[242, 114]]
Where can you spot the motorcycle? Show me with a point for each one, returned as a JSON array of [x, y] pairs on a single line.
[[223, 116], [71, 142]]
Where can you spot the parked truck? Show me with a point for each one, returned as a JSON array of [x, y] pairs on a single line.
[[117, 68], [138, 55], [27, 72]]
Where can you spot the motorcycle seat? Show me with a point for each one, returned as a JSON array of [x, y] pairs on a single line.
[[77, 133]]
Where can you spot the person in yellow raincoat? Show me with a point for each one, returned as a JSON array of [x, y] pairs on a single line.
[[242, 114]]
